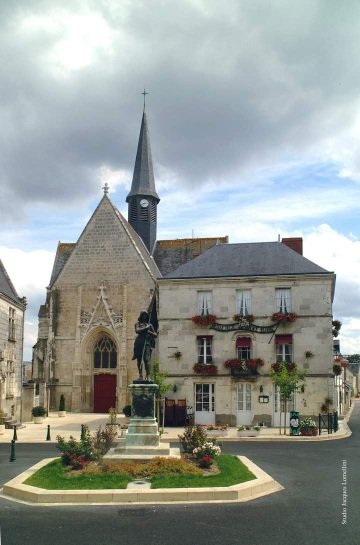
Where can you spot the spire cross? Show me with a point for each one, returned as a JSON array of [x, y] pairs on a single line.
[[144, 93], [106, 188]]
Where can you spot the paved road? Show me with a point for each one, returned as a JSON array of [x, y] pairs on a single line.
[[308, 511]]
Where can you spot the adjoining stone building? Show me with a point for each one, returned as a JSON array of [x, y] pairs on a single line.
[[236, 291], [12, 309]]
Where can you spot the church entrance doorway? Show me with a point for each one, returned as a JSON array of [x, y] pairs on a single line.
[[104, 392]]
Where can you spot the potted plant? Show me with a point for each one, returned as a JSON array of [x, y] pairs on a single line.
[[62, 411], [308, 427], [248, 431], [38, 414]]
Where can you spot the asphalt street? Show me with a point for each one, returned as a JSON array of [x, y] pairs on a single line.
[[308, 511]]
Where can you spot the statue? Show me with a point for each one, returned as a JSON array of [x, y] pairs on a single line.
[[144, 344]]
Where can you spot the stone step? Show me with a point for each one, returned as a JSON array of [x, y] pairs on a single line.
[[162, 450], [140, 456]]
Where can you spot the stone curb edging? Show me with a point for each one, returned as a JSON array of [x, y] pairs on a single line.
[[261, 486]]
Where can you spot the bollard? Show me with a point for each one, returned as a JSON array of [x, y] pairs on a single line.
[[12, 454], [15, 434], [48, 438]]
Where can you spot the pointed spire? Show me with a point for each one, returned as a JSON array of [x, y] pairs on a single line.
[[143, 182]]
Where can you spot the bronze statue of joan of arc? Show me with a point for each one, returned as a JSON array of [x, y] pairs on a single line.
[[144, 344]]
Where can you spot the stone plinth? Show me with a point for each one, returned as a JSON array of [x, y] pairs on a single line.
[[142, 441], [143, 428]]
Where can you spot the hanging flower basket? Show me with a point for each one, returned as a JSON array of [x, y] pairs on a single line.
[[205, 369], [249, 318], [204, 319], [337, 369], [283, 317]]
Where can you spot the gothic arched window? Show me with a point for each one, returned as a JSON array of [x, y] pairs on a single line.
[[105, 355]]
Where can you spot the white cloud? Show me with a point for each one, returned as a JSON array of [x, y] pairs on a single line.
[[30, 273]]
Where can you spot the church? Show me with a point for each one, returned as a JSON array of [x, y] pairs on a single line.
[[214, 302]]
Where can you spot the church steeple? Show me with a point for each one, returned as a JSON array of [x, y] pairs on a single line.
[[143, 199]]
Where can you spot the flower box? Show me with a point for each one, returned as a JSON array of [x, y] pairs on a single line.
[[289, 365], [280, 317], [217, 433], [309, 433], [204, 319], [217, 430], [248, 433], [205, 369]]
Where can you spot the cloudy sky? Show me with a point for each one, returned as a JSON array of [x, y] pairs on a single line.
[[254, 116]]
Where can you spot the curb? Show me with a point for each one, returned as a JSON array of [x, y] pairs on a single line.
[[262, 485]]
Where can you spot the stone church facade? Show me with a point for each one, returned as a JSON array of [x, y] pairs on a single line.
[[97, 289]]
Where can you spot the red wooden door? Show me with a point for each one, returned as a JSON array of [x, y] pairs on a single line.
[[104, 392]]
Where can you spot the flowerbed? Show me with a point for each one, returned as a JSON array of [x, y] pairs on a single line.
[[163, 474]]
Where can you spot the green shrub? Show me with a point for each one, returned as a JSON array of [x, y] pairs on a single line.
[[62, 403], [38, 411], [193, 437], [77, 454]]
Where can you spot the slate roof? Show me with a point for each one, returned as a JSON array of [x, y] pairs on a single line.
[[247, 259], [7, 287], [169, 255], [143, 182]]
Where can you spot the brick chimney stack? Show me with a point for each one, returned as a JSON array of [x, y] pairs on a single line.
[[295, 243]]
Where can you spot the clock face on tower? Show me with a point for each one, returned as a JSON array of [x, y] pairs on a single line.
[[144, 203]]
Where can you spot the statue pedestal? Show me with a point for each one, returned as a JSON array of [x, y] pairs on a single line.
[[143, 428], [142, 441]]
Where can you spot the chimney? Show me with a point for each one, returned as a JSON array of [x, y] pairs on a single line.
[[295, 243]]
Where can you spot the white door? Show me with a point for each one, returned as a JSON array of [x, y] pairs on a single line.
[[280, 406], [243, 404], [204, 403]]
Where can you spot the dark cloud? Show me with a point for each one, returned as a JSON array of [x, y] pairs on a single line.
[[230, 88]]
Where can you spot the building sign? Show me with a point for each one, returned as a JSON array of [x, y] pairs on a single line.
[[245, 326]]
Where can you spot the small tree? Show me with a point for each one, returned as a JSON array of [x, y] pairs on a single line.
[[159, 378], [289, 379], [336, 326]]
